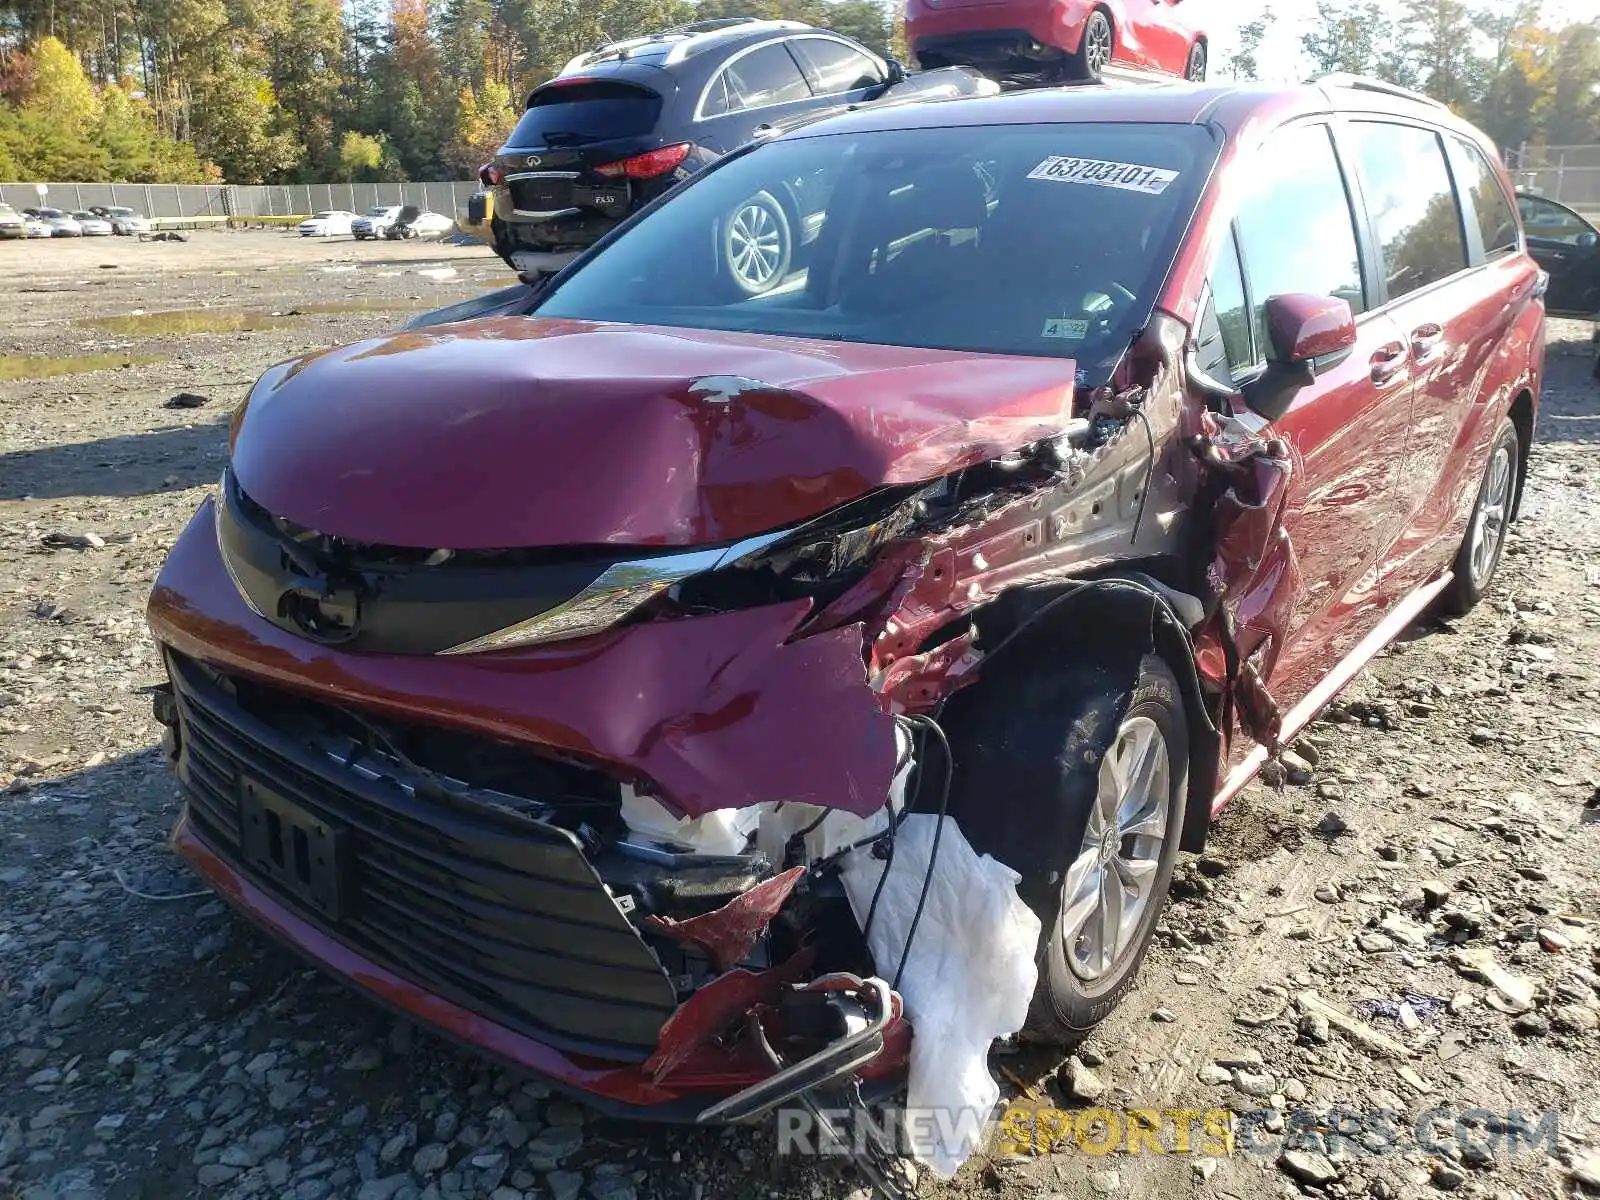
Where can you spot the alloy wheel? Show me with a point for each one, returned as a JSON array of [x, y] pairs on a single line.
[[1110, 883], [1489, 522], [1098, 35], [1196, 69], [755, 246]]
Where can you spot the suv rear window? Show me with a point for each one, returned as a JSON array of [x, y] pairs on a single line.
[[1044, 239], [571, 114]]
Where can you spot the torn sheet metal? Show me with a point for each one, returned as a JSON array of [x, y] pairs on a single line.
[[968, 978], [729, 435], [718, 1007], [726, 935]]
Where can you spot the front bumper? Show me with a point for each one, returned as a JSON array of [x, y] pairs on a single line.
[[463, 919]]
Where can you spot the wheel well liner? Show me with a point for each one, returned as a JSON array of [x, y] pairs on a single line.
[[1105, 626], [1522, 417]]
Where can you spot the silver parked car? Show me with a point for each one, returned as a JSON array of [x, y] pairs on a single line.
[[92, 225], [61, 224], [124, 221], [12, 223]]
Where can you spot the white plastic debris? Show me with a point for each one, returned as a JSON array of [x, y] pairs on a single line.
[[724, 831], [967, 981]]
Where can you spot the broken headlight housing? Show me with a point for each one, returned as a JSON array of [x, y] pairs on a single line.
[[823, 556]]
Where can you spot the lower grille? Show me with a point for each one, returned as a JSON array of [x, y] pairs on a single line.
[[493, 910]]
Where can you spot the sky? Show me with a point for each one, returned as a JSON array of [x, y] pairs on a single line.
[[1280, 60]]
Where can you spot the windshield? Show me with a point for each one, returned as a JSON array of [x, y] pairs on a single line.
[[321, 216], [380, 212], [120, 212], [1026, 239]]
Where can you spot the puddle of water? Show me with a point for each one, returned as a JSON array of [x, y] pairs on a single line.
[[188, 320], [23, 366], [376, 304]]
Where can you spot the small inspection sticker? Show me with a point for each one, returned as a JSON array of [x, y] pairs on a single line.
[[1128, 177], [1065, 327]]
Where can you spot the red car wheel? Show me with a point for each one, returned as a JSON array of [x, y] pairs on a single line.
[[1095, 47]]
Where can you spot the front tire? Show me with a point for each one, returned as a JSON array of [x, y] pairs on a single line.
[[1194, 70], [757, 244], [1108, 825], [1485, 540], [1095, 48]]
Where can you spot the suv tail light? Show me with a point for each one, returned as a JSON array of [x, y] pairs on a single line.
[[647, 165]]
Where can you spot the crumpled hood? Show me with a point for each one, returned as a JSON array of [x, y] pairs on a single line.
[[521, 432]]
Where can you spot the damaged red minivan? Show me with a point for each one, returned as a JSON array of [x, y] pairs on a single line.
[[1096, 440]]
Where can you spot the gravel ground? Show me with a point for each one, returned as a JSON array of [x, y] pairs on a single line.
[[1423, 871]]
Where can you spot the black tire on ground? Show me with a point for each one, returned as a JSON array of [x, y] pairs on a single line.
[[1485, 539], [1094, 48], [756, 244], [1036, 738], [1194, 69]]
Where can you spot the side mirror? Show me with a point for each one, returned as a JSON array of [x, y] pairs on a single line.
[[1309, 335], [1588, 240], [897, 71]]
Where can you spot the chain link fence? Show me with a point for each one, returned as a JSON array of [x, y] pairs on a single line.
[[203, 201], [1567, 174]]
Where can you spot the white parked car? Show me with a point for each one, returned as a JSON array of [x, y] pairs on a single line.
[[375, 223], [327, 223], [36, 227], [124, 221], [12, 223], [61, 224], [92, 225]]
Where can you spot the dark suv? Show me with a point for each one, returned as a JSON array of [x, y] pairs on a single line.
[[621, 125]]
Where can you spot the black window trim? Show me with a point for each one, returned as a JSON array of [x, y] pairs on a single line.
[[1368, 223]]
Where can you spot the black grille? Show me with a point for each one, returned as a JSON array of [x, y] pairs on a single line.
[[494, 910]]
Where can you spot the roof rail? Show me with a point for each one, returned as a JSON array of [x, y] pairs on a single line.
[[1366, 83], [710, 24]]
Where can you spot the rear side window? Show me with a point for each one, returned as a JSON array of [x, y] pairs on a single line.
[[1411, 202], [571, 114], [767, 75], [1497, 220], [1295, 230], [833, 67]]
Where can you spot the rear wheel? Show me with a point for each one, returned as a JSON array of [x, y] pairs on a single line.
[[1195, 68], [1093, 54], [1485, 539], [757, 244]]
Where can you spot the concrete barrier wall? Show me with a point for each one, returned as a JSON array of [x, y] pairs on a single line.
[[199, 200]]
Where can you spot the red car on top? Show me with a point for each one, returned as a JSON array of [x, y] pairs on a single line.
[[1097, 439], [1058, 40]]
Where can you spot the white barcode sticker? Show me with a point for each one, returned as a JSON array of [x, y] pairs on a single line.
[[1129, 177]]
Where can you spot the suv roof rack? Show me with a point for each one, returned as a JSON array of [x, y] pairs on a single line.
[[1366, 83]]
